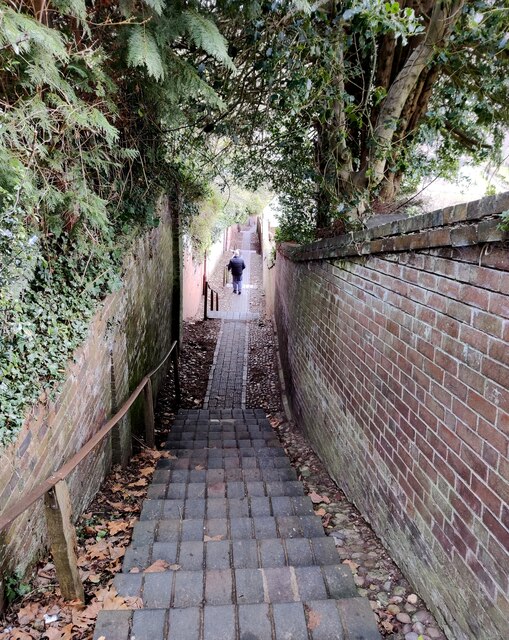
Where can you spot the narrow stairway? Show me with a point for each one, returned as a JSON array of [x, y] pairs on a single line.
[[231, 543], [244, 555]]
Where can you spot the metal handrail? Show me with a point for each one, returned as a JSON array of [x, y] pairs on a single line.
[[206, 289], [62, 473]]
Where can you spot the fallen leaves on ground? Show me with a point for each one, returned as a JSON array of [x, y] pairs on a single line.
[[353, 565], [157, 566], [104, 532], [317, 499], [314, 619]]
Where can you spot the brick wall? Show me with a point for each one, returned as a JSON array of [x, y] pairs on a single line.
[[128, 336], [193, 271], [397, 365]]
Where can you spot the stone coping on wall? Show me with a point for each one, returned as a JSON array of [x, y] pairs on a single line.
[[464, 224]]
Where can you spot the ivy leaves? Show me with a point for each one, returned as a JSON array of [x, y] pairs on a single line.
[[86, 146]]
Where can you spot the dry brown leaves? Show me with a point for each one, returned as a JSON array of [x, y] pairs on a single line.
[[160, 565], [60, 620], [353, 565], [317, 499], [104, 533], [314, 619]]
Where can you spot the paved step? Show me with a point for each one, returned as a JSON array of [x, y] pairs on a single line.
[[232, 315], [345, 619], [229, 489], [220, 507], [228, 442], [167, 476], [246, 557], [194, 587], [245, 553]]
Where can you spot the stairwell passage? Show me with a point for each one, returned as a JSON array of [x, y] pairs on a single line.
[[241, 554]]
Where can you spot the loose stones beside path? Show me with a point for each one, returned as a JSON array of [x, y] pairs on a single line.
[[263, 388], [400, 612]]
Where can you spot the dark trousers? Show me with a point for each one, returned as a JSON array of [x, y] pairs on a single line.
[[237, 283]]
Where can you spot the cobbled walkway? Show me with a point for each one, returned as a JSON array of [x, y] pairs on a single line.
[[228, 546]]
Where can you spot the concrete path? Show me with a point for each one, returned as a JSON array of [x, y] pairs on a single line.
[[233, 306], [233, 548]]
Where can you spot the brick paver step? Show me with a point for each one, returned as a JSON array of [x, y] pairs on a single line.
[[212, 459], [247, 506], [262, 450], [345, 619], [221, 432], [197, 414], [230, 442], [167, 476], [228, 546], [229, 522], [154, 508], [220, 553], [194, 587], [232, 489], [195, 508]]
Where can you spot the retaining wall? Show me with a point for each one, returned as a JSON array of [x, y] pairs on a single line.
[[394, 343], [128, 336], [194, 271]]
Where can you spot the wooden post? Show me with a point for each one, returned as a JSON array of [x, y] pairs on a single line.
[[148, 405], [63, 541], [205, 301]]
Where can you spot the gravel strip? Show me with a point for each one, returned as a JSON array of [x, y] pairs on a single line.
[[401, 614], [263, 389]]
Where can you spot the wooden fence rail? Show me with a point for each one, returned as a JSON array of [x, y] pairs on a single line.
[[55, 491]]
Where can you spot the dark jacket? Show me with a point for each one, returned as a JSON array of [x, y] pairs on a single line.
[[236, 266]]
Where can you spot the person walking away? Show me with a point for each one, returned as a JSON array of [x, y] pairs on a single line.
[[236, 266]]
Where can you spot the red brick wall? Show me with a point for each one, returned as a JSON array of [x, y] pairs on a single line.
[[192, 272], [130, 332], [398, 369]]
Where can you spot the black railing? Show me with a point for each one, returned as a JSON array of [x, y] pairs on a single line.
[[213, 297]]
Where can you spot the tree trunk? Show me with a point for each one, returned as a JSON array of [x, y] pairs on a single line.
[[442, 21], [391, 185], [333, 157]]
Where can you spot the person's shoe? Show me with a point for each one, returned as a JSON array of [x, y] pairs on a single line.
[[240, 292]]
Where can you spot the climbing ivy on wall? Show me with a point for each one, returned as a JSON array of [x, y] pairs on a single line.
[[94, 97]]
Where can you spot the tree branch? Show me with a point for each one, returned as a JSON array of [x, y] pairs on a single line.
[[442, 21], [463, 137]]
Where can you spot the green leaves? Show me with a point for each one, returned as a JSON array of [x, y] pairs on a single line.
[[156, 5], [21, 32], [205, 35], [143, 52]]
